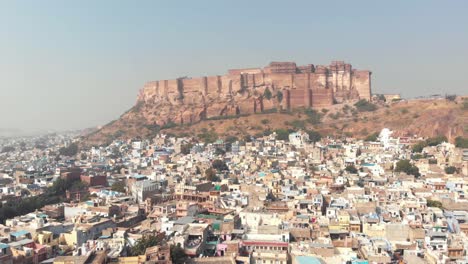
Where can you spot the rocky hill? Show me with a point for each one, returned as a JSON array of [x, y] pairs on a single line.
[[425, 118]]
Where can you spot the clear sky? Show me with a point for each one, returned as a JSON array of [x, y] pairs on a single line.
[[77, 64]]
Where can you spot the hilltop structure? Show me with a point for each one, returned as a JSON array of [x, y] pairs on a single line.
[[280, 85]]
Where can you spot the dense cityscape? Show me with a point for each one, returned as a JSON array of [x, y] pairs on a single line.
[[294, 197], [233, 132]]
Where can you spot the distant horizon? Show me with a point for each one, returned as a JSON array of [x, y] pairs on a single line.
[[72, 65]]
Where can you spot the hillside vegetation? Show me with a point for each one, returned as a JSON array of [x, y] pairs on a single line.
[[426, 118]]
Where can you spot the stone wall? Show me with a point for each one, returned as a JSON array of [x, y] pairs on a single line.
[[241, 91]]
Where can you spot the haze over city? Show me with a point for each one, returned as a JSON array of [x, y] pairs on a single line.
[[72, 65]]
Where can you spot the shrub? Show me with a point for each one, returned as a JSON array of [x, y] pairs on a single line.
[[168, 125], [265, 121], [365, 106], [313, 116], [465, 104], [298, 124], [372, 137], [461, 142], [208, 136], [279, 96], [451, 97], [335, 115], [404, 111], [267, 94]]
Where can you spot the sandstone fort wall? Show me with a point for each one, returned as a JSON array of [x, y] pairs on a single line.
[[242, 91]]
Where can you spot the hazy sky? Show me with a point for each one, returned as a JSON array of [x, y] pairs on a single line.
[[76, 64]]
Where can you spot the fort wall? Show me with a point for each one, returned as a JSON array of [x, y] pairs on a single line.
[[241, 91]]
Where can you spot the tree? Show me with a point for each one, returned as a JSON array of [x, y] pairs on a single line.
[[70, 150], [279, 96], [450, 169], [314, 136], [461, 142], [178, 255], [451, 97], [313, 117], [267, 94], [143, 243], [118, 186], [408, 168], [418, 147], [7, 149], [365, 106], [436, 140], [210, 175], [271, 197], [282, 134], [372, 137], [185, 148], [351, 169], [219, 165], [432, 203]]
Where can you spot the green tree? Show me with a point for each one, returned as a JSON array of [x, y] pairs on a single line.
[[178, 255], [461, 142], [451, 97], [279, 96], [143, 243], [185, 148], [314, 136], [432, 203], [372, 137], [408, 168], [118, 186], [418, 147], [219, 165], [313, 117], [70, 150], [267, 94], [450, 169], [351, 169], [282, 134], [210, 175], [298, 124], [365, 106], [436, 140]]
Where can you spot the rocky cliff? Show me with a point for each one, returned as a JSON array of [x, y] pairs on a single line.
[[279, 86]]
